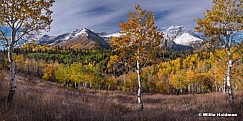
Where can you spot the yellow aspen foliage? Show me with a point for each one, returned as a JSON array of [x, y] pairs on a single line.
[[176, 64], [19, 61], [220, 26], [217, 74], [190, 76], [63, 74], [113, 60], [110, 81], [23, 18], [139, 43], [164, 68], [178, 79], [238, 76], [49, 72], [140, 38]]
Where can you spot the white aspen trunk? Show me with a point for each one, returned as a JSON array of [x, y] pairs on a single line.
[[216, 87], [28, 67], [192, 87], [140, 103], [75, 85], [38, 63], [228, 73], [189, 88], [224, 86], [11, 74], [197, 87], [79, 85], [85, 85], [228, 77]]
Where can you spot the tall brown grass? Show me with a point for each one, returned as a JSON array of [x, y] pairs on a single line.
[[46, 101]]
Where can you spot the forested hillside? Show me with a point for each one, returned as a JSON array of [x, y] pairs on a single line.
[[175, 72]]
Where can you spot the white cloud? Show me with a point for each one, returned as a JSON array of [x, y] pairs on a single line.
[[104, 15]]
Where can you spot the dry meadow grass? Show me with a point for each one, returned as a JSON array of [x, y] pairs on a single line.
[[38, 100]]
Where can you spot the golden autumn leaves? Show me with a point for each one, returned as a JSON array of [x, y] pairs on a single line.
[[140, 39], [24, 18]]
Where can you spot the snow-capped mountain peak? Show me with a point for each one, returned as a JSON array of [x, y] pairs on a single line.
[[187, 39], [81, 32], [180, 35], [175, 31], [45, 39], [50, 40], [107, 37], [79, 38], [173, 36]]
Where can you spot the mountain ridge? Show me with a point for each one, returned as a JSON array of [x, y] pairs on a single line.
[[78, 39], [175, 36], [179, 36]]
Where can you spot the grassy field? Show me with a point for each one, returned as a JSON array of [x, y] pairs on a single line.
[[38, 100]]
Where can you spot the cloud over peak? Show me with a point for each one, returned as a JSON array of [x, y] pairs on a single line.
[[105, 15]]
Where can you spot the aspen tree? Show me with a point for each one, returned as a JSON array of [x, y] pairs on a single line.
[[139, 44], [20, 19], [219, 26]]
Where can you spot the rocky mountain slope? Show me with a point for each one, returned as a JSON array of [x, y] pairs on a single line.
[[78, 39], [175, 37], [180, 38]]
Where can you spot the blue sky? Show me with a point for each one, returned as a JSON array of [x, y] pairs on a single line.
[[105, 15]]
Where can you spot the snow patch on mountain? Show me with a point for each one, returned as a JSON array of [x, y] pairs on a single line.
[[187, 39], [79, 38], [118, 34], [46, 39], [175, 31], [180, 35], [67, 38], [173, 35], [107, 37], [50, 40], [81, 32]]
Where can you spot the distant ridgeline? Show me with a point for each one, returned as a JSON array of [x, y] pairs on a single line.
[[84, 58], [78, 39], [175, 37]]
